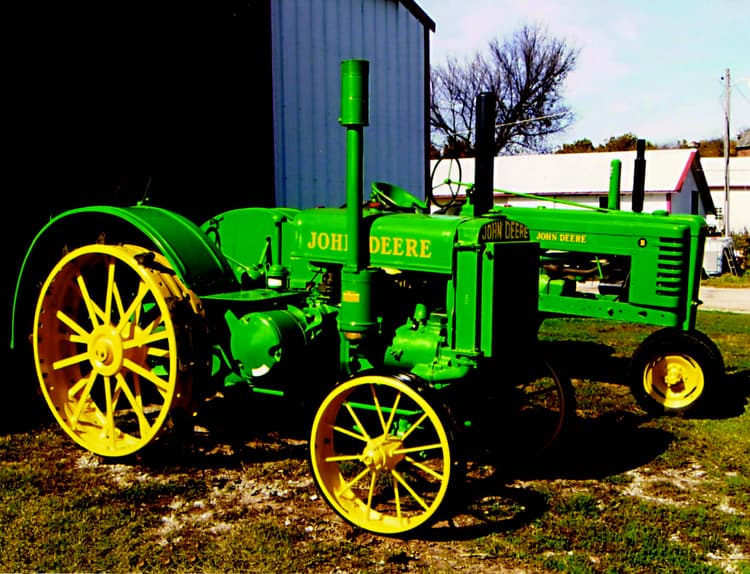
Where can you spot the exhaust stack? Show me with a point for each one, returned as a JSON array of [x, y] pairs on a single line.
[[482, 199], [639, 176]]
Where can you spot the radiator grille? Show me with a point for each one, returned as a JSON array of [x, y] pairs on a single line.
[[671, 272]]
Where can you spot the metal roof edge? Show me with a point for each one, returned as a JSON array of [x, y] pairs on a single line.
[[420, 14]]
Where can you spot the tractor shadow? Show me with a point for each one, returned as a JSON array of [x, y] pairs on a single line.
[[589, 364], [611, 436], [506, 497], [231, 431]]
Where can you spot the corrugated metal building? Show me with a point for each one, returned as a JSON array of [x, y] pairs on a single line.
[[309, 41]]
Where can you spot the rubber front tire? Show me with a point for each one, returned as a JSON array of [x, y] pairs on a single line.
[[673, 372]]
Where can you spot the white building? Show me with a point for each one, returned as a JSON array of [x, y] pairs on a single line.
[[739, 189], [674, 180]]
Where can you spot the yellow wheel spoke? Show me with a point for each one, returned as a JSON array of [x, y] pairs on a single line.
[[152, 327], [145, 339], [158, 352], [109, 426], [378, 409], [347, 432], [84, 382], [414, 426], [396, 495], [427, 469], [370, 492], [71, 323], [68, 361], [343, 458], [134, 310], [110, 291], [85, 398], [410, 490], [417, 448], [358, 424], [118, 301], [393, 411], [161, 385], [348, 485], [95, 312], [136, 403]]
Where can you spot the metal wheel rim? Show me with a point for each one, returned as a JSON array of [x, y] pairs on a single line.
[[105, 347], [384, 467], [674, 381]]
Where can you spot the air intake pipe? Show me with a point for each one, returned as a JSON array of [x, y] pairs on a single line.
[[356, 317], [354, 116]]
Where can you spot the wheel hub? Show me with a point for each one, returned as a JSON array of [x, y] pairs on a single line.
[[106, 350], [675, 377], [381, 453]]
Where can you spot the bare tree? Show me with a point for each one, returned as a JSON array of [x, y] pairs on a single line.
[[526, 73]]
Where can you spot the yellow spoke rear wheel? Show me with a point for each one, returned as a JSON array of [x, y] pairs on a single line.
[[107, 335], [382, 455]]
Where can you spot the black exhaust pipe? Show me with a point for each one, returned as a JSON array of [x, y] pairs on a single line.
[[639, 176], [483, 196]]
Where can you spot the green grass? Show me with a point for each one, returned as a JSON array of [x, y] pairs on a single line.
[[628, 494], [727, 280]]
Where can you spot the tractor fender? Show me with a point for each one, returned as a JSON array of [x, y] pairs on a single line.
[[195, 259]]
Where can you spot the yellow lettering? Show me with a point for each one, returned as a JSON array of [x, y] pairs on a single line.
[[411, 247], [546, 236], [425, 246], [563, 237], [492, 231], [311, 243], [515, 230], [374, 244], [337, 242], [398, 246], [386, 246]]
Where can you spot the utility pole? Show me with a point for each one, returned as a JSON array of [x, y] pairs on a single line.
[[726, 155]]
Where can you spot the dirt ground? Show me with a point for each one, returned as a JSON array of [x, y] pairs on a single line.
[[268, 478]]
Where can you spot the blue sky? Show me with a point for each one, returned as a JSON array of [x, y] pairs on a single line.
[[652, 68]]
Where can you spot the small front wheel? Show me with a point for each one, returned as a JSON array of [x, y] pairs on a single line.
[[382, 455], [673, 371]]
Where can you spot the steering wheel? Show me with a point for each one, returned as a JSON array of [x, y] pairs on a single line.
[[453, 175]]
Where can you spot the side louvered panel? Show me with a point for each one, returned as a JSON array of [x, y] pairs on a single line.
[[671, 272]]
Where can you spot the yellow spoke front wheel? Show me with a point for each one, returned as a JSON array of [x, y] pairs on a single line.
[[382, 455], [107, 346]]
